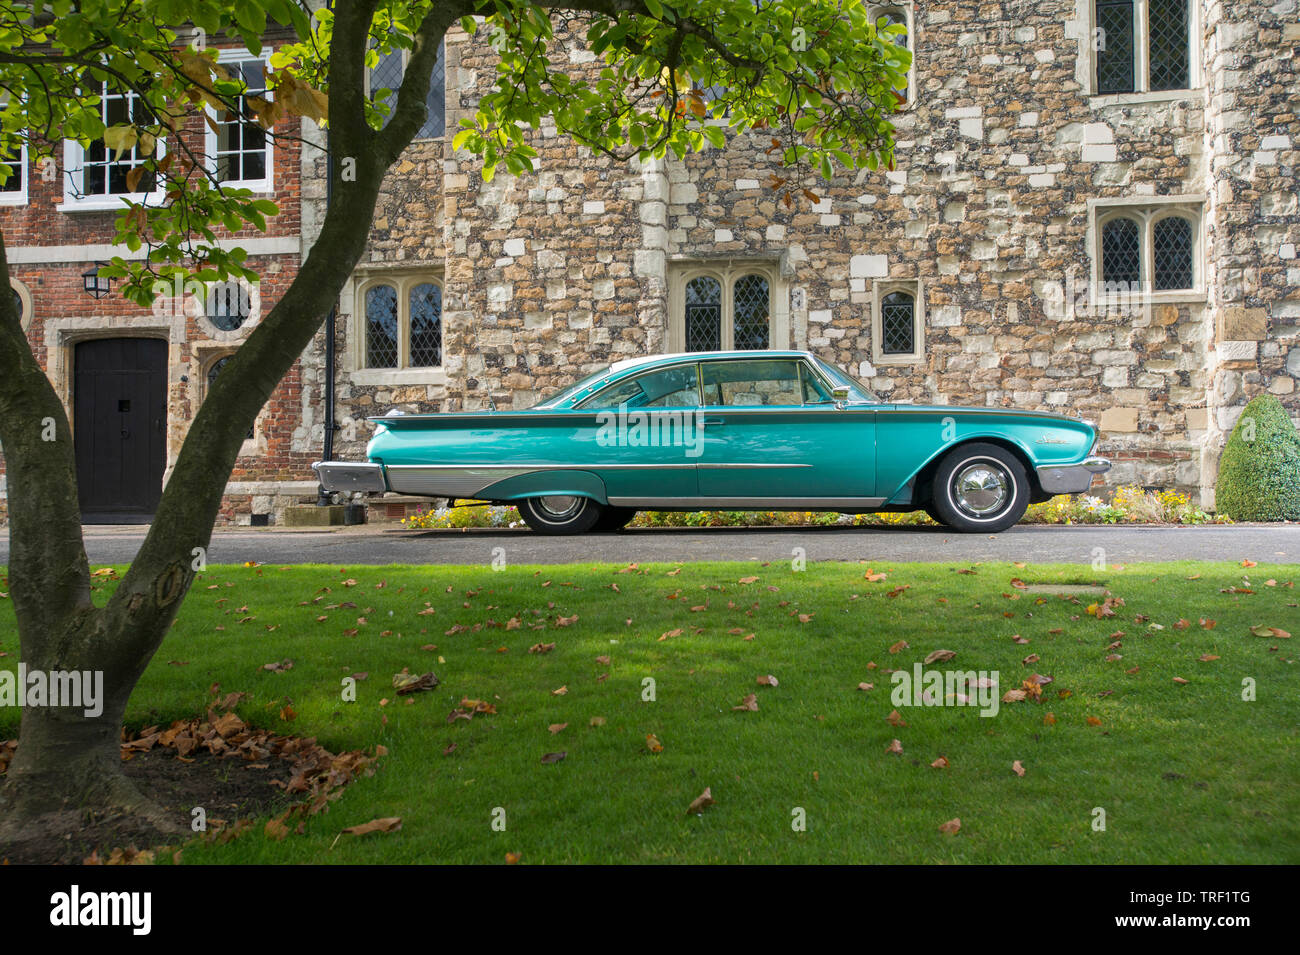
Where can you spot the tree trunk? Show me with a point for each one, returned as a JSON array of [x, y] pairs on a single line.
[[67, 762]]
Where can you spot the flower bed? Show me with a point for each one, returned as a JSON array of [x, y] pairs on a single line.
[[1127, 505]]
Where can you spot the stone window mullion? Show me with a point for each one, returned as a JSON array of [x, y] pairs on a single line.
[[1142, 48], [1147, 276], [403, 324], [728, 311]]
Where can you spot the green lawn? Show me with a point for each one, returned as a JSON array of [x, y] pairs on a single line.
[[1185, 772]]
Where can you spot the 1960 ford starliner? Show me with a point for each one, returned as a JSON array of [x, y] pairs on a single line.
[[750, 430]]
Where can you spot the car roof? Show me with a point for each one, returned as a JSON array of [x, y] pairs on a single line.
[[648, 360]]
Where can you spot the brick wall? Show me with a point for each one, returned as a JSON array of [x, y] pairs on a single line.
[[49, 248]]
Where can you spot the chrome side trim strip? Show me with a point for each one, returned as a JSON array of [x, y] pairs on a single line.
[[749, 503], [530, 467], [747, 466], [1094, 464], [582, 467]]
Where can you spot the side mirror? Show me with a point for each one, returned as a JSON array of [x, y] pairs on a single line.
[[840, 394]]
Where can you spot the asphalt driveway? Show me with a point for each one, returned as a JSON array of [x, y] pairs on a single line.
[[386, 544]]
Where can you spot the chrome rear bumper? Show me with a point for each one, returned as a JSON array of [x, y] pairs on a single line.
[[349, 477], [1071, 478]]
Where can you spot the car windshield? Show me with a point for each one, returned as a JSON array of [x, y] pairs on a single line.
[[857, 390], [560, 397]]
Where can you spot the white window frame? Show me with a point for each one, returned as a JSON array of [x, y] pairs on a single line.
[[907, 12], [267, 182], [879, 289], [406, 60], [1147, 211], [726, 272], [1142, 91], [404, 373], [19, 196], [75, 200]]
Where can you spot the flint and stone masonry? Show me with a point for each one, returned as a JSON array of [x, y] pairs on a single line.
[[1008, 158], [1014, 158]]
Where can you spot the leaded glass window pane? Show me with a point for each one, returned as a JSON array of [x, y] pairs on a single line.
[[752, 304], [703, 314], [1114, 43], [1171, 240], [228, 305], [1168, 44], [1121, 256], [898, 324], [426, 325], [381, 327], [435, 119], [386, 75], [892, 17]]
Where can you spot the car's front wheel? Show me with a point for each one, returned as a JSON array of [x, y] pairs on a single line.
[[980, 487], [560, 514]]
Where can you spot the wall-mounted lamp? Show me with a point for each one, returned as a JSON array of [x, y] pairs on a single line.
[[96, 284]]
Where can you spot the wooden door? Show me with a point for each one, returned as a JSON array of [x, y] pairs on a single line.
[[120, 418]]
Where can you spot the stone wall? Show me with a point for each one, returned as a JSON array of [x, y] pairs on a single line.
[[1005, 159]]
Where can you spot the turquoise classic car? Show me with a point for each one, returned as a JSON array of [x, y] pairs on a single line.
[[747, 430]]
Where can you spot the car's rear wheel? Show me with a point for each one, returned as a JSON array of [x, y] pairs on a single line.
[[614, 518], [980, 487], [560, 514]]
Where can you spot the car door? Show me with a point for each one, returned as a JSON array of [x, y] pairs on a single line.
[[648, 436], [774, 437]]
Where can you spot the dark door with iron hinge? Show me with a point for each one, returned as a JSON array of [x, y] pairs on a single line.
[[120, 416]]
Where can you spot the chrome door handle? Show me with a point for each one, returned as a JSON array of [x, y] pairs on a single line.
[[709, 421]]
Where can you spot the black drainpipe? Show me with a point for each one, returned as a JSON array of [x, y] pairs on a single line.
[[327, 450]]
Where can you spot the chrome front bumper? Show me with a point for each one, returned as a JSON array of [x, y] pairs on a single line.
[[1071, 478], [349, 477]]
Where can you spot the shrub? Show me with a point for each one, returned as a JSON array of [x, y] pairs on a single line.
[[1259, 472]]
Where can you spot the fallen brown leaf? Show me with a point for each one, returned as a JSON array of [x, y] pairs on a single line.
[[387, 824], [701, 802]]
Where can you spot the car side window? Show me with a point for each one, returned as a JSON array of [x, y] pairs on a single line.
[[676, 387], [814, 391], [760, 382]]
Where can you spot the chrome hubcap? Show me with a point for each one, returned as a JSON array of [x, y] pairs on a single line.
[[559, 507], [981, 489]]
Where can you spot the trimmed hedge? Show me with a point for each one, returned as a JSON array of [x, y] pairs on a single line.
[[1259, 472]]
